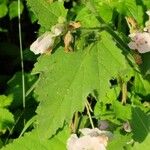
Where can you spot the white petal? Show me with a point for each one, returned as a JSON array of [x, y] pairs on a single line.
[[89, 143], [71, 142], [132, 45], [92, 139], [43, 43]]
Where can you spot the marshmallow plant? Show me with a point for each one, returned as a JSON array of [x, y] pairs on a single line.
[[92, 139], [46, 41]]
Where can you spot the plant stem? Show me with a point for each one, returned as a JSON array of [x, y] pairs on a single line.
[[21, 55], [88, 112], [124, 93]]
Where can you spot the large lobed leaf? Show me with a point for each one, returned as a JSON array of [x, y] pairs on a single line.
[[67, 79], [46, 12]]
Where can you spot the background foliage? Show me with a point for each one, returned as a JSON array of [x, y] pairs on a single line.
[[101, 70]]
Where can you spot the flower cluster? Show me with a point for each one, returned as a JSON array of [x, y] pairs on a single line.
[[46, 41], [92, 139], [140, 41]]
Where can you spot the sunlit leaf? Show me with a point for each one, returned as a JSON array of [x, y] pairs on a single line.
[[67, 79]]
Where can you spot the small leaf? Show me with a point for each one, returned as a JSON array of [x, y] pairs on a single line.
[[121, 111], [6, 120], [13, 9], [5, 101], [3, 10], [141, 85]]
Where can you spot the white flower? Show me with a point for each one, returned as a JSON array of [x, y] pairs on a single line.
[[43, 43], [92, 139], [140, 41]]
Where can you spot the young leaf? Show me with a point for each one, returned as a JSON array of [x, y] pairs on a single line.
[[67, 80]]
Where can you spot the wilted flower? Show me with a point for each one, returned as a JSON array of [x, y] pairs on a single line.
[[140, 41], [103, 124], [43, 43], [127, 127], [68, 40], [46, 41], [92, 139]]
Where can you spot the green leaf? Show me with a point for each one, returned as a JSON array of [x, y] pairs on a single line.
[[6, 120], [67, 80], [87, 19], [131, 9], [48, 14], [140, 124], [119, 141], [13, 9], [32, 141], [3, 10], [145, 66], [104, 9], [5, 101], [141, 85], [15, 87], [122, 112]]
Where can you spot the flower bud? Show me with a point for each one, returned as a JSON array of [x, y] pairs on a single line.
[[57, 29]]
